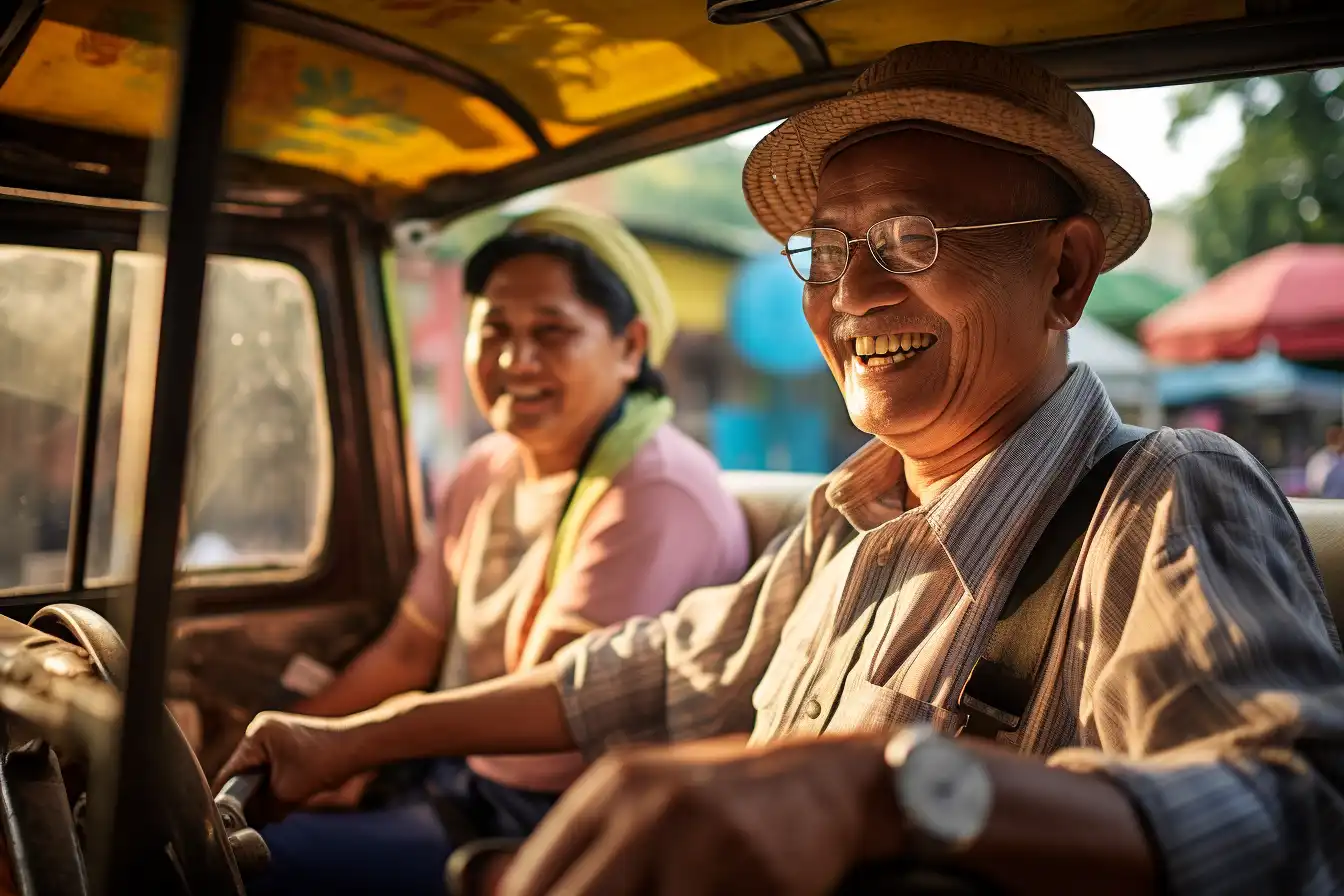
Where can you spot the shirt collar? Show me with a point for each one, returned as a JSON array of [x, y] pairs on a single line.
[[986, 520]]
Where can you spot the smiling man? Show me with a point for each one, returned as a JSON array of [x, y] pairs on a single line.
[[1011, 637]]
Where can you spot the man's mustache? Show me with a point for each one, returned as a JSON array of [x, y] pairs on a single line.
[[845, 327]]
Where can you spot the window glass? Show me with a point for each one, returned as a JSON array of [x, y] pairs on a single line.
[[46, 314], [259, 463], [259, 458]]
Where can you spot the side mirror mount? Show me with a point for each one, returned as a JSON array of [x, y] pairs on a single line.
[[742, 12]]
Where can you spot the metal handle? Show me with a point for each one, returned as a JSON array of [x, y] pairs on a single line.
[[249, 849], [234, 796], [469, 867], [242, 787]]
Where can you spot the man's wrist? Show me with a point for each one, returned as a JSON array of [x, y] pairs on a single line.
[[883, 827]]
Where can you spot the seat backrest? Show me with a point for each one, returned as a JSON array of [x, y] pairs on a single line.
[[774, 502], [1323, 521]]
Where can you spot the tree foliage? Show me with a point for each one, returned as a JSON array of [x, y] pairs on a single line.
[[691, 193], [1286, 182], [682, 190]]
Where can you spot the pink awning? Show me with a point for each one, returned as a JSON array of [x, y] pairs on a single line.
[[1293, 295]]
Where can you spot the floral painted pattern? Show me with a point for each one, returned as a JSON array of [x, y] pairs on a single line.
[[335, 92], [270, 80], [120, 34]]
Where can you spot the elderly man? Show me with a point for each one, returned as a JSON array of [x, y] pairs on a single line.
[[1134, 628]]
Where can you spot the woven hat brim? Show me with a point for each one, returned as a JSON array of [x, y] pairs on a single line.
[[779, 179]]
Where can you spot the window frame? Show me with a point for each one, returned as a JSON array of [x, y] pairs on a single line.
[[318, 555], [224, 588], [77, 542]]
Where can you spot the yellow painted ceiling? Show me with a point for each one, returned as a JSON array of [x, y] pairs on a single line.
[[590, 63], [579, 66]]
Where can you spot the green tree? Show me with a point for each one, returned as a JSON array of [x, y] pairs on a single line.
[[700, 184], [694, 193], [1286, 182]]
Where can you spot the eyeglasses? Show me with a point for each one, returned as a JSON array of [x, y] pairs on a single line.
[[906, 244]]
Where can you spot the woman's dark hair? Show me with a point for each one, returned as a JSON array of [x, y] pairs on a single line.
[[594, 281]]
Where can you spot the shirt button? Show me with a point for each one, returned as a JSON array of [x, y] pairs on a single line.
[[813, 708]]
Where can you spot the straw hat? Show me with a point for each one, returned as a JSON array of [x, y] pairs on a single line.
[[999, 97], [627, 258]]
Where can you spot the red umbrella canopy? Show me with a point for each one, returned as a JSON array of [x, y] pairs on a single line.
[[1293, 295]]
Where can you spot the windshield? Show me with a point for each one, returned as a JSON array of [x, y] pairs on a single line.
[[1241, 174]]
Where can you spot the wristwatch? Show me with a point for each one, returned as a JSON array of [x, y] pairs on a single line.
[[943, 790]]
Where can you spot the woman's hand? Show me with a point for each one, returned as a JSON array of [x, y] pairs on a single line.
[[347, 796], [303, 755]]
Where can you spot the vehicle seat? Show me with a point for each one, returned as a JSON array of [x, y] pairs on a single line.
[[1323, 521], [774, 502]]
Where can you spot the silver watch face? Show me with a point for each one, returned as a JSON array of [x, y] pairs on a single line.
[[945, 792]]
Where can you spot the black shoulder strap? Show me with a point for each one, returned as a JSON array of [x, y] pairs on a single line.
[[1002, 681]]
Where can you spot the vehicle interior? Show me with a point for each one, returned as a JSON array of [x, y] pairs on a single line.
[[152, 152]]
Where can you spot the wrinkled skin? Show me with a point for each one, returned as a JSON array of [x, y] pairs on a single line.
[[694, 819], [991, 315]]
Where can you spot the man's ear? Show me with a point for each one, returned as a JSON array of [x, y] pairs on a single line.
[[1080, 249]]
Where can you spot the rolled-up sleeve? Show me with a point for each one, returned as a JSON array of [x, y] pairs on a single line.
[[690, 672], [1221, 708], [428, 600]]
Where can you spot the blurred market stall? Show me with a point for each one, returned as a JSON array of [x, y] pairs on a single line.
[[1122, 299], [1126, 373], [1275, 408], [1292, 295]]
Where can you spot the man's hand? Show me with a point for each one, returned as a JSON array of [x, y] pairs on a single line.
[[714, 817], [304, 755]]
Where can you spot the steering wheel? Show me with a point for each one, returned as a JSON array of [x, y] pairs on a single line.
[[192, 829]]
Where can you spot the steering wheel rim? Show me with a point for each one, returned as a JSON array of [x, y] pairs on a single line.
[[192, 824]]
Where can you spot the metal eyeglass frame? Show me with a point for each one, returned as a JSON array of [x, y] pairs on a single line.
[[866, 238]]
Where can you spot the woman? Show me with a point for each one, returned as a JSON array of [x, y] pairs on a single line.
[[586, 506]]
